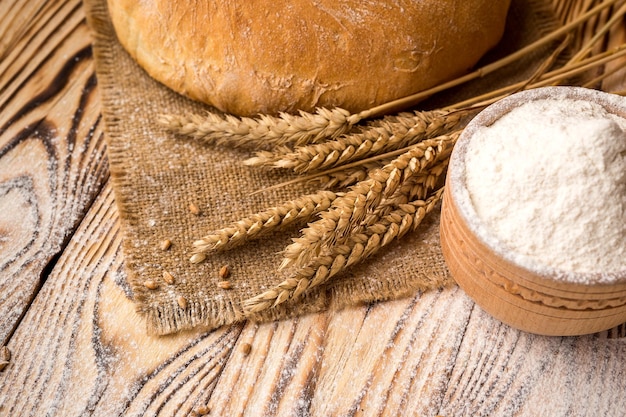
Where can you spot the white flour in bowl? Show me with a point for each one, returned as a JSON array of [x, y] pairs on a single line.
[[548, 179]]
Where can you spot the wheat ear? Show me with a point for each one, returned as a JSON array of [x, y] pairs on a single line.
[[347, 211], [344, 178], [238, 233], [264, 131], [388, 135], [418, 185], [337, 258]]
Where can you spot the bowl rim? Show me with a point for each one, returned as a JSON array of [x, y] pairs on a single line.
[[457, 173]]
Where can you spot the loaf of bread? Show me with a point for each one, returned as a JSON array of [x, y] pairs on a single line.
[[267, 56]]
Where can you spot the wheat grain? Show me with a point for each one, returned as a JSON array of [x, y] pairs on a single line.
[[5, 353], [150, 284], [264, 131], [202, 410], [336, 258], [225, 285], [246, 348], [194, 209], [165, 244], [168, 278], [182, 302], [224, 272], [5, 357], [298, 210], [197, 258]]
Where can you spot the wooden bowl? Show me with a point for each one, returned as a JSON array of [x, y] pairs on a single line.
[[530, 300]]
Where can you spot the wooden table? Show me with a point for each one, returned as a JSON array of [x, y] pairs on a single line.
[[78, 347]]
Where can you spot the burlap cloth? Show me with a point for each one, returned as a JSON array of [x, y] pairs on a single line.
[[156, 176]]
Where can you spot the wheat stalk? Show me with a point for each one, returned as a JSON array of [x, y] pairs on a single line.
[[347, 211], [557, 76], [260, 224], [346, 177], [337, 258], [417, 184], [599, 34], [262, 132], [388, 136]]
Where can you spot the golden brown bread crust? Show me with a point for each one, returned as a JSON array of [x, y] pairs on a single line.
[[265, 56]]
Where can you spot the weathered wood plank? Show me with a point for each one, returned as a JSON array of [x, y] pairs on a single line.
[[433, 354], [52, 152], [33, 35], [81, 349], [500, 371], [277, 377], [18, 18], [393, 358]]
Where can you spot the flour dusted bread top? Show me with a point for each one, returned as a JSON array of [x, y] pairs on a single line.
[[266, 56]]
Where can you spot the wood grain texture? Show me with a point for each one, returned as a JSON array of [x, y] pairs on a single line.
[[52, 153], [501, 371], [80, 349]]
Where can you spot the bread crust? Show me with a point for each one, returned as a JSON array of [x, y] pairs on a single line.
[[266, 56]]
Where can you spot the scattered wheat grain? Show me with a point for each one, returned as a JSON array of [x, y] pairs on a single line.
[[168, 278], [203, 410], [150, 284], [225, 285], [224, 272], [194, 209], [182, 302], [246, 348], [5, 357], [5, 353]]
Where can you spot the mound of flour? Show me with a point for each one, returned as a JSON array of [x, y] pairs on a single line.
[[549, 181]]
